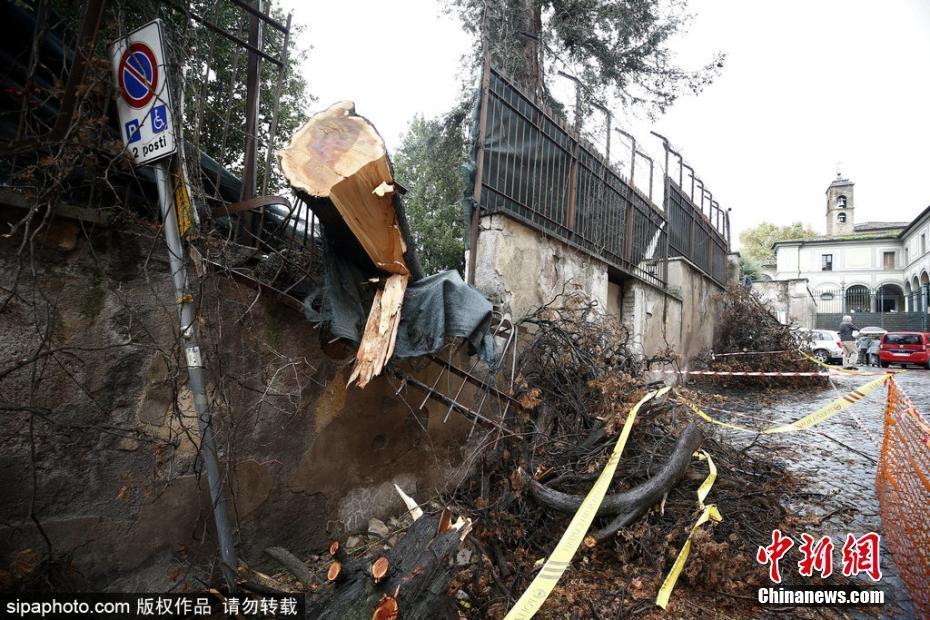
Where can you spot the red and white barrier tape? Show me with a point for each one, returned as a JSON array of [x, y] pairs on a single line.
[[736, 373]]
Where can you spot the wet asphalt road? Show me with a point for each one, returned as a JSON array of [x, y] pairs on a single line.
[[841, 478]]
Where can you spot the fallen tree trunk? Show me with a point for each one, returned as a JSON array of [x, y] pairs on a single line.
[[411, 578], [630, 504], [339, 156]]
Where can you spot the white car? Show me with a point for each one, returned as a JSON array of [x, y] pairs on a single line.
[[824, 344]]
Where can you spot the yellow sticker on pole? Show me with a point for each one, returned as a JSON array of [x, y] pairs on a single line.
[[561, 556], [821, 415], [182, 202]]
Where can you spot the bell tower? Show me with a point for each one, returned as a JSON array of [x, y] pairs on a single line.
[[840, 207]]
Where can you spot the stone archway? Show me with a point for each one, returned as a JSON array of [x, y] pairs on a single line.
[[889, 298], [858, 299]]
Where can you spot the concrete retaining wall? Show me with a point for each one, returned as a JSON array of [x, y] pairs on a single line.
[[521, 269]]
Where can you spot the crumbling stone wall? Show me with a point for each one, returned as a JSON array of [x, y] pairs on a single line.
[[521, 269], [98, 443]]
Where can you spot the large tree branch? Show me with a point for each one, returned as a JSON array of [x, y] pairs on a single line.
[[637, 500]]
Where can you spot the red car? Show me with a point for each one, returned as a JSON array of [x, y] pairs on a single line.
[[905, 348]]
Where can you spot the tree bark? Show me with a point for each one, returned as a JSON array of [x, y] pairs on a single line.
[[420, 567], [629, 504], [289, 561], [528, 25]]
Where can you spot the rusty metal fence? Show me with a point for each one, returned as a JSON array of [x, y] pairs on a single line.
[[539, 171]]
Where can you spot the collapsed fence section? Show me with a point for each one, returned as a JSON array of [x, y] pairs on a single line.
[[539, 171], [903, 488]]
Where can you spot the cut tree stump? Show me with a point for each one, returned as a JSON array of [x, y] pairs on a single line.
[[339, 155], [419, 569]]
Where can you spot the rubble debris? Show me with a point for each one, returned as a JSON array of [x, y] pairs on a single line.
[[577, 380], [377, 527]]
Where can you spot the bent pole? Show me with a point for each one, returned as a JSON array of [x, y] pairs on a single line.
[[188, 333]]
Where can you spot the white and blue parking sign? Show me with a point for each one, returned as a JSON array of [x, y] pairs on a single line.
[[144, 103]]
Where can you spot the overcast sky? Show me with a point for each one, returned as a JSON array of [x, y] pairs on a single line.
[[807, 84]]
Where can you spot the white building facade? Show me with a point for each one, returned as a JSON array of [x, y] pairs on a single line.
[[878, 267]]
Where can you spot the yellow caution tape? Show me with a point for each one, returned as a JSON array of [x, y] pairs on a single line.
[[704, 489], [824, 413], [845, 371], [709, 513], [558, 561]]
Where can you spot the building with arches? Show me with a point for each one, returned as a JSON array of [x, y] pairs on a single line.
[[878, 268]]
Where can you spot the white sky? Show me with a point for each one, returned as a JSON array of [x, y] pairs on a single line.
[[807, 84]]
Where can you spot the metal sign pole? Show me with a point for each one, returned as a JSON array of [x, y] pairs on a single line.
[[195, 372]]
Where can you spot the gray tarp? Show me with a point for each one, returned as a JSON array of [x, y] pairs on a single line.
[[435, 308]]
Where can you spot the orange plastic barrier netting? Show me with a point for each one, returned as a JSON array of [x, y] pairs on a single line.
[[903, 488]]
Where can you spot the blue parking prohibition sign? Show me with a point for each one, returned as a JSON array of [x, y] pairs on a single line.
[[138, 75]]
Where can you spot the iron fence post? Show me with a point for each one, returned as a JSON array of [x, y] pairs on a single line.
[[475, 223]]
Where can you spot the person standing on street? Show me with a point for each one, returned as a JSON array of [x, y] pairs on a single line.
[[863, 343], [873, 351], [850, 350]]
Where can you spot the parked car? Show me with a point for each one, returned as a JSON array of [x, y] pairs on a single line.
[[825, 345], [905, 348]]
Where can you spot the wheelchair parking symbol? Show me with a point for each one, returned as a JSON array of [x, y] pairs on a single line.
[[159, 119]]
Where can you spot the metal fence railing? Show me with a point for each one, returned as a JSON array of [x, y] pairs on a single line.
[[693, 235], [857, 298], [536, 169]]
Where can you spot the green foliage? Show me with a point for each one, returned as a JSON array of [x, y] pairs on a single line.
[[210, 70], [429, 164], [618, 48], [756, 243], [749, 267], [215, 85]]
